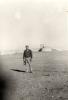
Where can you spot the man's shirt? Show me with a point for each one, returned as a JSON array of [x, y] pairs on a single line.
[[27, 54]]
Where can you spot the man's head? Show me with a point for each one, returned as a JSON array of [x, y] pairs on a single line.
[[27, 47]]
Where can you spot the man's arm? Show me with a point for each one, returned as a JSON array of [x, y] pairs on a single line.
[[24, 58], [31, 54], [23, 54]]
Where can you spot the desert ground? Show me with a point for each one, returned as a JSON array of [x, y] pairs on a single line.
[[48, 80]]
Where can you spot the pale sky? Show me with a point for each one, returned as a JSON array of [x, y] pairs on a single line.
[[33, 22]]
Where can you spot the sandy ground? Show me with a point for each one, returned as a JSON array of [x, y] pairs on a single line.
[[48, 80]]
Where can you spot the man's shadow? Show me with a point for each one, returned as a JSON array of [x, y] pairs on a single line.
[[3, 87], [17, 70]]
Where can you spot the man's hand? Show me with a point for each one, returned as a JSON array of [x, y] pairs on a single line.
[[30, 59]]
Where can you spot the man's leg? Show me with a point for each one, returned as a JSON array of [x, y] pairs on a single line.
[[29, 64], [30, 68]]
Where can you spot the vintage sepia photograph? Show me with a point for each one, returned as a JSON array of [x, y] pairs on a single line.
[[33, 49]]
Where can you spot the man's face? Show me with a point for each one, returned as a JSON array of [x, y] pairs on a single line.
[[27, 47]]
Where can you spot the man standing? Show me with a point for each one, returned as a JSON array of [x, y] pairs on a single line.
[[27, 58]]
